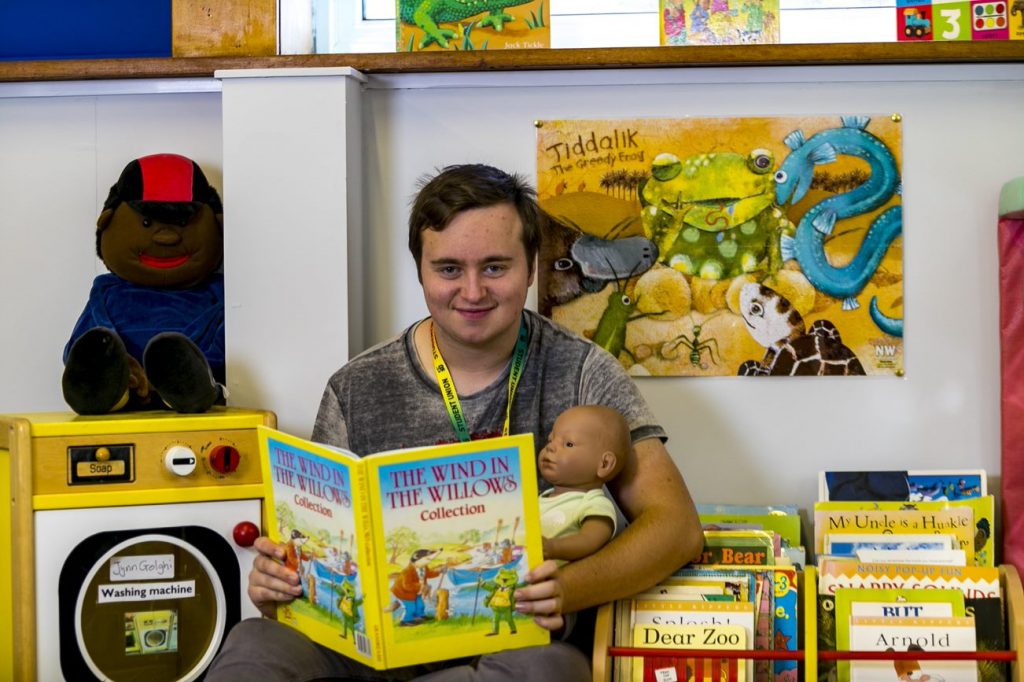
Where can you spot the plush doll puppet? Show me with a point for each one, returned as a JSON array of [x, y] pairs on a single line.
[[152, 332]]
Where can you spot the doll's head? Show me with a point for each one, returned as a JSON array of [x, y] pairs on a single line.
[[588, 446], [161, 224]]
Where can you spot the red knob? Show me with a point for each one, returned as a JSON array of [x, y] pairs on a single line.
[[245, 533], [224, 458]]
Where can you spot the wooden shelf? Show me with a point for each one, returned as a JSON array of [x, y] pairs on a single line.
[[524, 60], [808, 655]]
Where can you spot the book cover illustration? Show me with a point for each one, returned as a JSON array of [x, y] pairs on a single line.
[[898, 486], [483, 25], [676, 243], [688, 669], [719, 22], [409, 556], [869, 633]]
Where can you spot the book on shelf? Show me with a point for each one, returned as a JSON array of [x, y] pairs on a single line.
[[408, 556], [906, 603], [870, 633], [847, 544], [738, 548], [661, 613], [654, 668], [979, 584], [472, 26], [943, 557], [718, 22], [969, 521], [903, 486]]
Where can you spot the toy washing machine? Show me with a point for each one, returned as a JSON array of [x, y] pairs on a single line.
[[127, 554]]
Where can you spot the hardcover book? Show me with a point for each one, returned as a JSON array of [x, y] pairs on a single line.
[[868, 517], [686, 668], [902, 486], [974, 535], [979, 584], [480, 25], [907, 603], [719, 22], [408, 556], [868, 633]]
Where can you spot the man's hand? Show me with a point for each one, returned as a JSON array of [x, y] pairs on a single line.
[[270, 581], [542, 597]]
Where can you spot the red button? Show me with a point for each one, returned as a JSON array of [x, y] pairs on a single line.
[[245, 534]]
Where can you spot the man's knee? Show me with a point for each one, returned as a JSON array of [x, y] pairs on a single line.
[[259, 645], [556, 662]]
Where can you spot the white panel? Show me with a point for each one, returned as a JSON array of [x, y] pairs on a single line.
[[288, 162], [771, 435]]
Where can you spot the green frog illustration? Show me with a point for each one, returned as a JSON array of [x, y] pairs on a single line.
[[349, 605], [714, 215], [501, 598]]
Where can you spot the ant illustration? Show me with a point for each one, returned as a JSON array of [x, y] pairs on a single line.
[[694, 344]]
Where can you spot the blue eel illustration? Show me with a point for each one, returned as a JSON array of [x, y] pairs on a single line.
[[808, 245]]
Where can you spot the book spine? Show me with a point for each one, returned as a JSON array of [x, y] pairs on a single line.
[[376, 592]]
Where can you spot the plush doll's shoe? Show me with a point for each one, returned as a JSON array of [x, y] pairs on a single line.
[[179, 372], [95, 377]]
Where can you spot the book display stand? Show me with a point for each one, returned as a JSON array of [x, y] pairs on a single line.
[[720, 665]]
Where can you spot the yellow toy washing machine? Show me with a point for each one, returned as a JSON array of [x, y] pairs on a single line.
[[127, 541]]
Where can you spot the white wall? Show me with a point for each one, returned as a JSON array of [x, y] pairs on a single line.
[[752, 441], [62, 146]]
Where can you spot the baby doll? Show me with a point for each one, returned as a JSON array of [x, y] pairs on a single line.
[[587, 447], [152, 332]]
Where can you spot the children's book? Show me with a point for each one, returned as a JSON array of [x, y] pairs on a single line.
[[907, 603], [920, 485], [944, 557], [975, 537], [738, 548], [868, 633], [979, 584], [408, 556], [718, 22], [682, 668], [847, 544], [480, 25], [663, 613], [868, 517]]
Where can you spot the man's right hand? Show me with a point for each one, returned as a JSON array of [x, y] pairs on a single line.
[[270, 582]]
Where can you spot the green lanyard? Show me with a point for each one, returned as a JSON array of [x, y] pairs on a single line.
[[451, 396]]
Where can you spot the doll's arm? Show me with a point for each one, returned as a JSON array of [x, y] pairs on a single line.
[[594, 532]]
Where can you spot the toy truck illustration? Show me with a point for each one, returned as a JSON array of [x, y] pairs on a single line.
[[916, 23]]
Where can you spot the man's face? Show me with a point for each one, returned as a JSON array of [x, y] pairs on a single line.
[[166, 255], [475, 278]]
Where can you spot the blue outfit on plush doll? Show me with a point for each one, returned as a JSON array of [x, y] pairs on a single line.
[[152, 332]]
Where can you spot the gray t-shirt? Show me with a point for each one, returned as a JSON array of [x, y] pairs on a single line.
[[383, 399]]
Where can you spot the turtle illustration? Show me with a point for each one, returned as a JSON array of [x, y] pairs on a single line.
[[792, 349]]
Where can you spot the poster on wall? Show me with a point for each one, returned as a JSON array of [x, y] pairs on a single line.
[[727, 246], [719, 22], [458, 25]]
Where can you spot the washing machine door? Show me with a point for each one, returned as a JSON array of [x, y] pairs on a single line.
[[150, 604]]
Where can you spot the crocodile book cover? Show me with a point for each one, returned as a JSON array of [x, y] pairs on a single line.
[[483, 25]]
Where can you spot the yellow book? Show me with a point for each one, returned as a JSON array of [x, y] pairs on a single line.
[[956, 519], [709, 636], [408, 556]]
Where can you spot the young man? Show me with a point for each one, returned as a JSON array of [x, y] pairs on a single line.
[[474, 232]]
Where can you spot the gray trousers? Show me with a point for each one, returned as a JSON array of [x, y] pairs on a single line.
[[263, 650]]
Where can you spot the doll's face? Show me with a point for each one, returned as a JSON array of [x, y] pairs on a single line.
[[152, 253], [574, 452]]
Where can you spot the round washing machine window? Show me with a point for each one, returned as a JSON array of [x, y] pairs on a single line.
[[152, 607]]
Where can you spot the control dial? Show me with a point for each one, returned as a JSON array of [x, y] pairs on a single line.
[[180, 460], [245, 533], [224, 459]]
